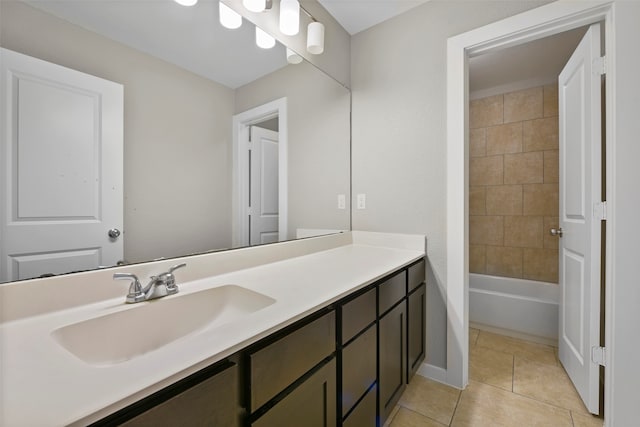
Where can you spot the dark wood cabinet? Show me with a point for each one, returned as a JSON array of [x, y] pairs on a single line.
[[365, 413], [416, 329], [207, 398], [310, 404], [277, 365], [392, 358]]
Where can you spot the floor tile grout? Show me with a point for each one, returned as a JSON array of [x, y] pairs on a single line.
[[533, 358]]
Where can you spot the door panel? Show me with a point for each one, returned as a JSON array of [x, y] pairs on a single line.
[[61, 181], [580, 185], [263, 194]]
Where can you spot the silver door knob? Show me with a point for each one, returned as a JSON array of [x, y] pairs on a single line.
[[556, 232], [114, 233]]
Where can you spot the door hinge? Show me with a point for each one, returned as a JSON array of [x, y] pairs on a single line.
[[600, 66], [600, 211], [599, 355]]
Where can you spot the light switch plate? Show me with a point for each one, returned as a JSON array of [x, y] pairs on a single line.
[[361, 201]]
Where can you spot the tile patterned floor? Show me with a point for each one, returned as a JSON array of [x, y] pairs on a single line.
[[512, 383]]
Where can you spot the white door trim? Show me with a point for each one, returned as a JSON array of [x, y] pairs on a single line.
[[240, 168], [531, 25]]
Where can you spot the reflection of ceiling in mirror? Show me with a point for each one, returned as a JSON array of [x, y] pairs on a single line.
[[190, 37]]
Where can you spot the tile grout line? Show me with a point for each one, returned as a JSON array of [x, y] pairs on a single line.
[[456, 407]]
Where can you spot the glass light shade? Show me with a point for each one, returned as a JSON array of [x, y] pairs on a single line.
[[315, 38], [289, 17], [255, 5], [264, 40], [229, 18], [186, 2], [292, 57]]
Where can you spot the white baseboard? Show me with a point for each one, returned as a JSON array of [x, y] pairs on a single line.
[[433, 372]]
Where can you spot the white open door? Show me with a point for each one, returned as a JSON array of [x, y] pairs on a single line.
[[61, 177], [263, 192], [580, 220]]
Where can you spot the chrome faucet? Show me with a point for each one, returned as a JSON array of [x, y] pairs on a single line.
[[159, 286]]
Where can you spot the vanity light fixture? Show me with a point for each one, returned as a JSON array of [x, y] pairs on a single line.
[[186, 2], [264, 40], [315, 38], [229, 18], [255, 5], [292, 57], [289, 17]]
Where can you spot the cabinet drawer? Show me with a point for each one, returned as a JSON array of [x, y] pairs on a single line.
[[364, 415], [213, 402], [358, 368], [391, 291], [311, 404], [279, 364], [357, 314], [416, 275]]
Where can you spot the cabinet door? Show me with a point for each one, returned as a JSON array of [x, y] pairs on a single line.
[[416, 330], [311, 404], [364, 414], [358, 368], [392, 348], [213, 402]]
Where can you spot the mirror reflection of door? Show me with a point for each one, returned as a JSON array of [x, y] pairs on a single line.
[[61, 181], [263, 185]]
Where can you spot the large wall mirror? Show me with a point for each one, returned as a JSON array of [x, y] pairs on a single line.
[[193, 94]]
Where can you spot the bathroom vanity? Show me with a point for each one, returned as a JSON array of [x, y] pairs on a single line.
[[333, 334]]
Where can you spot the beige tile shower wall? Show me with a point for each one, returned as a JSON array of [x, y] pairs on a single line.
[[513, 184]]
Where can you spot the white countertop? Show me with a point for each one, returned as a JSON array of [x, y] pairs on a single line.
[[45, 385]]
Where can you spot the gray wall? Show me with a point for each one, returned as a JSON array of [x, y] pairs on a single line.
[[318, 146], [177, 134], [398, 80]]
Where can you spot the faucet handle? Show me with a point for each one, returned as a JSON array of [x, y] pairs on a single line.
[[175, 267], [136, 294], [170, 279]]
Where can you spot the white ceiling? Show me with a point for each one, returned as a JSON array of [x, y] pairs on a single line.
[[190, 37], [536, 62], [358, 15]]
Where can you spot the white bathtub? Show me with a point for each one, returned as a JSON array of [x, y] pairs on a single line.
[[515, 307]]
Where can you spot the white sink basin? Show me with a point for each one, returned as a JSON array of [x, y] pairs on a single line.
[[147, 326]]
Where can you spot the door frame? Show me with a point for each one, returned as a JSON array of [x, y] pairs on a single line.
[[537, 23], [240, 168]]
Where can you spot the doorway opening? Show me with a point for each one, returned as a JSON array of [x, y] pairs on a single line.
[[525, 188], [260, 174], [545, 21]]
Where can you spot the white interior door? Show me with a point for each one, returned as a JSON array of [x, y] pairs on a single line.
[[61, 176], [580, 197], [263, 192]]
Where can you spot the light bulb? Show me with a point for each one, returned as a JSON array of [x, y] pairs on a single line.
[[186, 2], [255, 5], [289, 17], [292, 57], [264, 40], [315, 38], [229, 18]]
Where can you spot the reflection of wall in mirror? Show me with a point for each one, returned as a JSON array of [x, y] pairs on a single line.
[[176, 141], [318, 142]]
